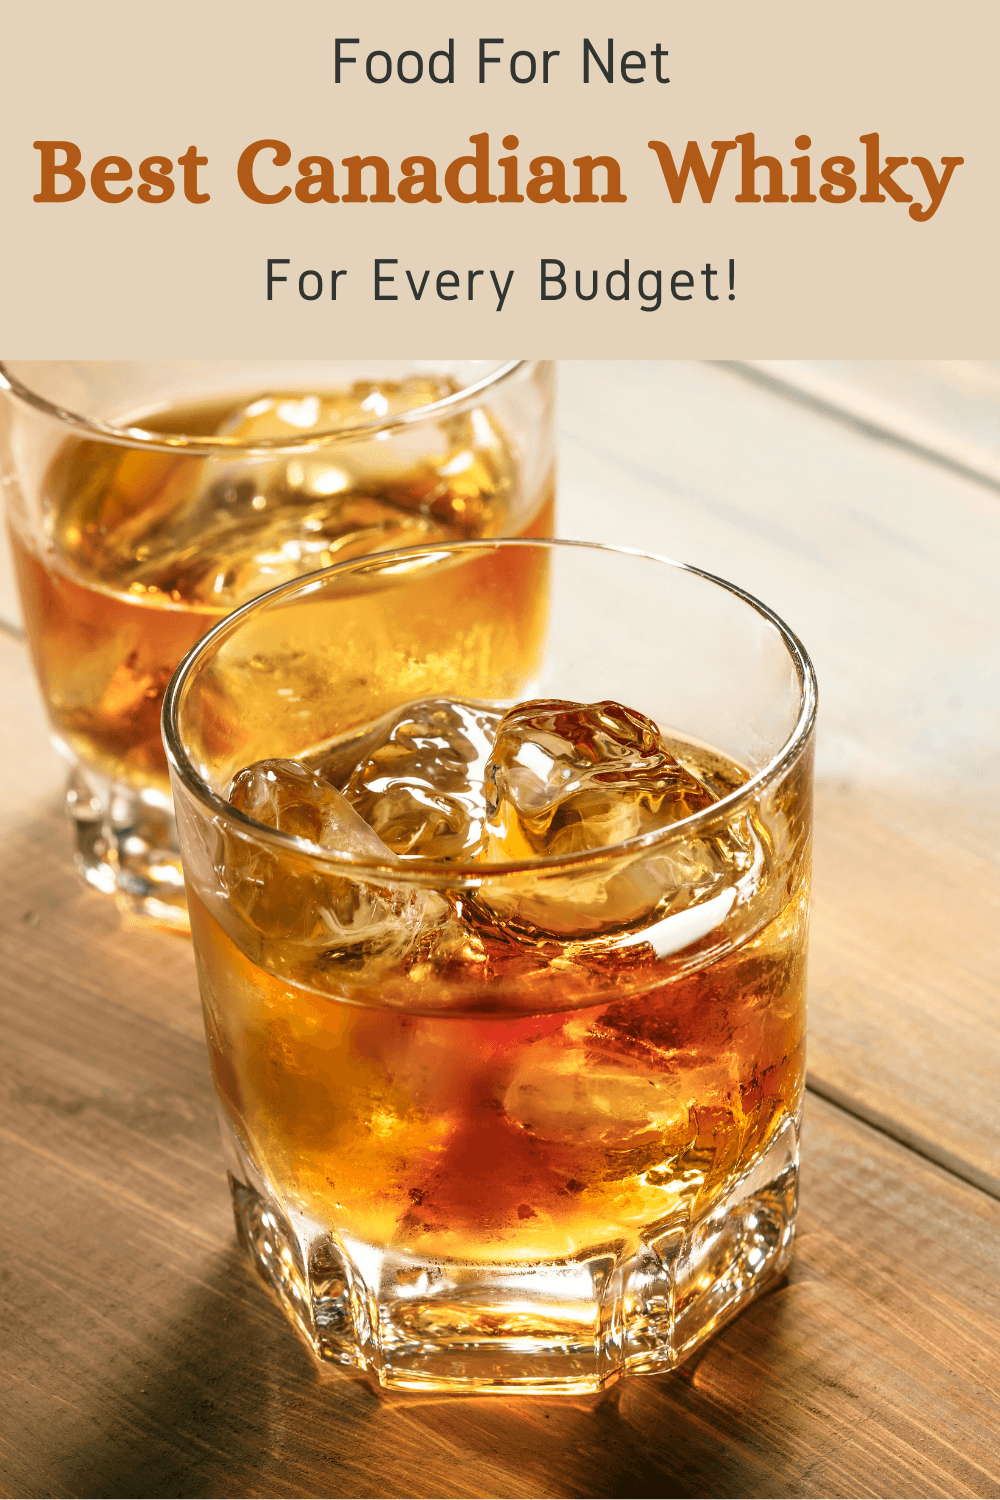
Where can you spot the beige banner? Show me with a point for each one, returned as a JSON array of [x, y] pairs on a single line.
[[867, 228]]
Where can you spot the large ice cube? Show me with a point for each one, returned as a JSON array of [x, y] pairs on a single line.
[[565, 777], [293, 798], [290, 898], [568, 1088], [420, 785], [219, 531], [294, 414]]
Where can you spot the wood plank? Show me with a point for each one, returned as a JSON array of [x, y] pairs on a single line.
[[140, 1356], [889, 569], [945, 409]]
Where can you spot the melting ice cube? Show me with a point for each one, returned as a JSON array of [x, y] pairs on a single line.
[[290, 898], [219, 531], [565, 1092], [564, 777], [293, 798], [420, 784]]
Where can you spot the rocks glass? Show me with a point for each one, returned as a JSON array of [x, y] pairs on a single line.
[[146, 499], [521, 1111]]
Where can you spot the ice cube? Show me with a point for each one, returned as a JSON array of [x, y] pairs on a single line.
[[449, 478], [420, 785], [288, 897], [570, 1088], [218, 531], [293, 798], [294, 414], [565, 777]]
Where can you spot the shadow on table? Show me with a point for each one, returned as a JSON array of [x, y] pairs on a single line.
[[227, 1402], [197, 1410]]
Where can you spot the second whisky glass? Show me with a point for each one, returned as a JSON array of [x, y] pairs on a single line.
[[147, 499]]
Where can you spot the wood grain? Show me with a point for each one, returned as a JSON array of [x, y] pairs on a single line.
[[945, 410], [889, 569], [140, 1355]]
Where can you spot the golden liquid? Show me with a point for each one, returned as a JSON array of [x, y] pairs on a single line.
[[144, 552], [498, 1095]]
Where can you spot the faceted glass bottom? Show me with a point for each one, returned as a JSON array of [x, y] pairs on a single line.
[[125, 845], [558, 1327]]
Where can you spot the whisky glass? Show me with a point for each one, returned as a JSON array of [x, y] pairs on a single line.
[[501, 1123], [146, 499]]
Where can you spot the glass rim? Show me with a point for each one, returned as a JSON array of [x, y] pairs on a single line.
[[196, 444], [410, 871]]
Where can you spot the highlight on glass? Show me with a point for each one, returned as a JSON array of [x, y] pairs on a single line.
[[498, 868]]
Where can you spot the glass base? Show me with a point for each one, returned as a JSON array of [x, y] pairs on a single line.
[[125, 845], [556, 1327]]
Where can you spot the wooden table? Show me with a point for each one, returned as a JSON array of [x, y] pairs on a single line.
[[141, 1357]]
